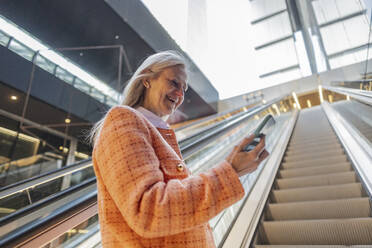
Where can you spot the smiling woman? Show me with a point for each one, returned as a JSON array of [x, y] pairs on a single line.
[[165, 92], [146, 195]]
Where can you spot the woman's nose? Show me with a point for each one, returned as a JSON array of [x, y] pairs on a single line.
[[179, 92]]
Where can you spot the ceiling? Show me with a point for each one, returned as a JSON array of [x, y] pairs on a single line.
[[81, 23], [77, 23]]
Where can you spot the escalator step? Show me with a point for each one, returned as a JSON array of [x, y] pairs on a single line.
[[315, 149], [318, 180], [319, 232], [320, 140], [317, 169], [328, 209], [298, 165], [342, 191], [318, 158], [307, 156]]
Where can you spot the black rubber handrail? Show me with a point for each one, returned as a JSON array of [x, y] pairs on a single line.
[[77, 164], [33, 228], [44, 202]]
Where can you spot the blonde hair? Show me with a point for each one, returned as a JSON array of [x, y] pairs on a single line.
[[134, 91]]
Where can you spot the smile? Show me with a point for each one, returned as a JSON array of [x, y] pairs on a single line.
[[173, 100]]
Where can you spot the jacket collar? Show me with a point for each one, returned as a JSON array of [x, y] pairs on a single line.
[[153, 118]]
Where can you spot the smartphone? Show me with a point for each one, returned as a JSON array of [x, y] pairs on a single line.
[[262, 129]]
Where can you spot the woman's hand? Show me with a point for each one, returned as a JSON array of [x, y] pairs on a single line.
[[247, 162]]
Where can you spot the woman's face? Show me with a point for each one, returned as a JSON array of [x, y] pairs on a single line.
[[166, 92]]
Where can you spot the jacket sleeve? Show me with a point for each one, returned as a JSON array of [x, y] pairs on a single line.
[[130, 171]]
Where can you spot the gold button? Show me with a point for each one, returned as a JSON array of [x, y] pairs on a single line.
[[180, 167]]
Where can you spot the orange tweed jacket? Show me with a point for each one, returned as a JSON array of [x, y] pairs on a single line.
[[146, 196]]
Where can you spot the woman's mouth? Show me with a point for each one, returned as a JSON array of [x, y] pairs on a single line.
[[173, 100]]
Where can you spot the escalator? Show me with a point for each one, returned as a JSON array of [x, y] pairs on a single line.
[[317, 197], [80, 197], [316, 200]]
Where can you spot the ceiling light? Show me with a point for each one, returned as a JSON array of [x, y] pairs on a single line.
[[276, 109], [117, 37], [308, 103], [14, 98], [61, 148], [67, 120], [320, 94], [296, 100], [330, 98]]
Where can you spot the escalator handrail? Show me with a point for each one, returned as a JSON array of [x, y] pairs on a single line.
[[44, 202], [233, 122], [43, 178], [42, 223], [36, 227], [211, 117], [361, 95], [216, 125]]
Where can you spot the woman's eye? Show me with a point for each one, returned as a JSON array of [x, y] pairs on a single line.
[[174, 83], [177, 85]]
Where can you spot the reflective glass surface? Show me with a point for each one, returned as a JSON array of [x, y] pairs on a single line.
[[65, 67], [44, 63], [358, 114], [64, 75], [18, 170], [34, 194], [21, 49], [4, 39], [81, 85], [345, 30]]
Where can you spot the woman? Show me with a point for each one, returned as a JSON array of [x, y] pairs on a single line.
[[146, 195]]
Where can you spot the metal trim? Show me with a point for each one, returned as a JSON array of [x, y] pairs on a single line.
[[349, 50], [289, 68], [260, 19], [273, 42], [344, 18]]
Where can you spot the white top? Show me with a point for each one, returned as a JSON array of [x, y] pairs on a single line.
[[153, 118]]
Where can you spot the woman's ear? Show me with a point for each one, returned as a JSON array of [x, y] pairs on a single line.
[[146, 84]]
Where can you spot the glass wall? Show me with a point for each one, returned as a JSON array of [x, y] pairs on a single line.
[[277, 47], [345, 30]]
